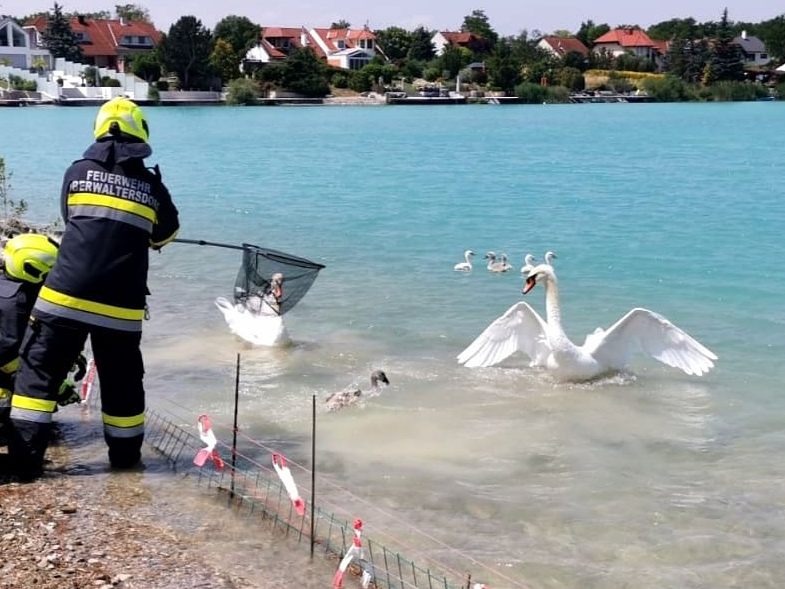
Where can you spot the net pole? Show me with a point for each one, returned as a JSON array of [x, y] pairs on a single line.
[[234, 429], [313, 469], [209, 243]]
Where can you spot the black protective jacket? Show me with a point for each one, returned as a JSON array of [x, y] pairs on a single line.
[[16, 302], [114, 210]]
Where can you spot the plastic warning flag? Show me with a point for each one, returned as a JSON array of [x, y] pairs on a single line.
[[209, 451], [279, 464]]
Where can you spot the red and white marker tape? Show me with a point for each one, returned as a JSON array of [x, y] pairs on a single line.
[[208, 437], [355, 551], [87, 382], [279, 464]]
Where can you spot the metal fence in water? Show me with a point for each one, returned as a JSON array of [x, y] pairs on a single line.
[[254, 492]]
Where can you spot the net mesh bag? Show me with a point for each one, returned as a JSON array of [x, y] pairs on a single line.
[[272, 282]]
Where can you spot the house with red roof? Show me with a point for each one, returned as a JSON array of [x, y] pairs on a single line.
[[627, 40], [275, 44], [470, 41], [561, 46], [349, 49], [106, 43]]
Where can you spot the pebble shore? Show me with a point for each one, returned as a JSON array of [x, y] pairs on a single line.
[[68, 530]]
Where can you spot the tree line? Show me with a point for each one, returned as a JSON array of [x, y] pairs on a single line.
[[191, 56]]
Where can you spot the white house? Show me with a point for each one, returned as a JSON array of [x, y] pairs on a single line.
[[17, 45], [562, 46], [752, 49], [443, 39], [275, 44], [349, 49]]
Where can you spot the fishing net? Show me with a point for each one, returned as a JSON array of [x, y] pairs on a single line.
[[272, 282]]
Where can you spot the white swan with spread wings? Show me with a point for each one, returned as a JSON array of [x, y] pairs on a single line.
[[257, 329], [258, 320], [521, 329]]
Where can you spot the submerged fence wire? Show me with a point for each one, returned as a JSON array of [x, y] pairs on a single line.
[[256, 491]]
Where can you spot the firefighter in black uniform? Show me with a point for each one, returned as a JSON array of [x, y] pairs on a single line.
[[27, 259], [114, 209]]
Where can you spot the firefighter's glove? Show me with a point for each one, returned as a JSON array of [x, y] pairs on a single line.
[[68, 394], [80, 368]]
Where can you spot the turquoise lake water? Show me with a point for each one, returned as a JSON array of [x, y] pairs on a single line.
[[651, 479]]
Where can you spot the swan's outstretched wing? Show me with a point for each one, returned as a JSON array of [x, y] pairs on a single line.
[[227, 309], [519, 329], [645, 331]]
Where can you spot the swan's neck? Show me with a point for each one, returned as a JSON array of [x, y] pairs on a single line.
[[552, 307]]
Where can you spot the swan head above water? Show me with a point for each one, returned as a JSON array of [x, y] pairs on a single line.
[[351, 395], [378, 376], [466, 265], [276, 285], [528, 263], [540, 273], [501, 266]]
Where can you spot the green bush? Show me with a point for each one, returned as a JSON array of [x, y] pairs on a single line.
[[108, 82], [571, 78], [361, 80], [19, 83], [557, 95], [153, 93], [242, 91], [621, 85], [633, 63], [431, 74], [704, 93], [412, 69], [90, 74], [340, 80], [779, 90], [727, 91], [668, 89], [390, 72], [531, 93]]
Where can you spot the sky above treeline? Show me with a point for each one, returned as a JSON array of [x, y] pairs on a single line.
[[506, 17]]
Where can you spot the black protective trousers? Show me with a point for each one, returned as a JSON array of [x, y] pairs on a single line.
[[48, 352]]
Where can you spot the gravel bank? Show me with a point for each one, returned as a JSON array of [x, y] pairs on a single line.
[[84, 526]]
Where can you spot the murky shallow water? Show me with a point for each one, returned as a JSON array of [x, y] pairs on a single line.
[[502, 472]]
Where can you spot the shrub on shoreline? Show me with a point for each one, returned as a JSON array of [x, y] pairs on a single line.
[[243, 91]]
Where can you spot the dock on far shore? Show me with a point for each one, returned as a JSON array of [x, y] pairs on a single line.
[[72, 97]]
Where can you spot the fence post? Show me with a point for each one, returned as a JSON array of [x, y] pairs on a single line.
[[313, 469], [234, 431]]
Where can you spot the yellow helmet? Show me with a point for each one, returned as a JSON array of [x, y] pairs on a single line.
[[29, 257], [121, 115]]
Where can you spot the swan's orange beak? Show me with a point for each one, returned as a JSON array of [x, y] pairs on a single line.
[[530, 283]]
